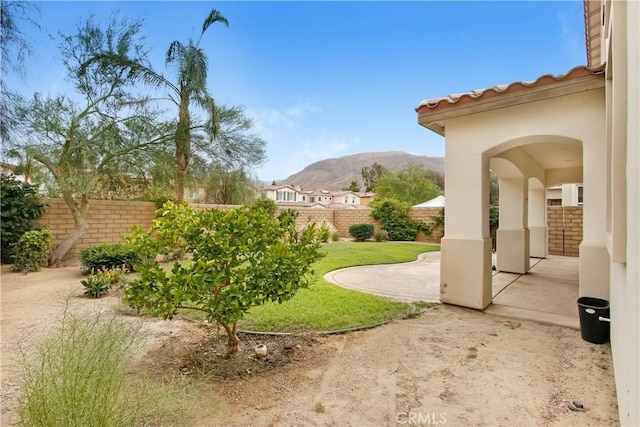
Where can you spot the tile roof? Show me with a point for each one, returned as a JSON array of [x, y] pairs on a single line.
[[437, 104]]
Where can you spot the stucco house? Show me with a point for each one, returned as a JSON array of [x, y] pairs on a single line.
[[579, 127], [280, 193], [297, 196]]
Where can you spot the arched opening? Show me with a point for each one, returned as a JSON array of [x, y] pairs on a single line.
[[525, 275]]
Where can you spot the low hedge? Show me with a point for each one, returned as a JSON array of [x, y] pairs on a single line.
[[361, 232], [107, 256]]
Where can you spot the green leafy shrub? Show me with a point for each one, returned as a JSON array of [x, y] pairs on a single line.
[[361, 232], [32, 251], [494, 216], [325, 231], [494, 223], [160, 201], [107, 256], [99, 283], [173, 255], [381, 236], [241, 258], [395, 219], [96, 285], [268, 205], [335, 236], [19, 206]]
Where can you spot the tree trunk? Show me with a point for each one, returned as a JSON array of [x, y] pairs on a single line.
[[79, 213], [180, 182], [232, 339], [183, 143], [55, 260]]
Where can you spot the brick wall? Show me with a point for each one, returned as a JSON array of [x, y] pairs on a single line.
[[565, 230], [426, 215], [344, 218], [109, 219]]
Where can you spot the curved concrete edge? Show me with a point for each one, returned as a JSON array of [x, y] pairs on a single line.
[[411, 281]]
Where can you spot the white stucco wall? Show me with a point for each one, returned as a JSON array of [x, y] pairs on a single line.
[[625, 276], [474, 139]]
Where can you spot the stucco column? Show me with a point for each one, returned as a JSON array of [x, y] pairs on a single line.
[[512, 238], [538, 231], [594, 255], [465, 268]]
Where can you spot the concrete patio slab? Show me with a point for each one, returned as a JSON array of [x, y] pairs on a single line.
[[408, 282], [547, 294]]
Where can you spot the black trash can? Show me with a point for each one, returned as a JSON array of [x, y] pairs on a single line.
[[592, 328]]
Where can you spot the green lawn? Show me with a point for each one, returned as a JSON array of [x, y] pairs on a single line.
[[324, 306]]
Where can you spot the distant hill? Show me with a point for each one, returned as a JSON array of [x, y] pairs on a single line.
[[336, 174]]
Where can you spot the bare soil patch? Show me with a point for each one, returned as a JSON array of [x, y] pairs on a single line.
[[209, 360], [449, 366]]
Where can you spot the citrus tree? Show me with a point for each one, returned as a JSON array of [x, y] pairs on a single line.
[[241, 258]]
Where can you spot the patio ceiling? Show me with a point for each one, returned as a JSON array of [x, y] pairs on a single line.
[[554, 155], [533, 158]]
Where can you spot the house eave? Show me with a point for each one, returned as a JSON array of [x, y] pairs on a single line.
[[434, 119]]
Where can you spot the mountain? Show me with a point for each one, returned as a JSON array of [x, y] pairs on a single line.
[[336, 174]]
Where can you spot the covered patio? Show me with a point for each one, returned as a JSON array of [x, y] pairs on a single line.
[[533, 135], [547, 293]]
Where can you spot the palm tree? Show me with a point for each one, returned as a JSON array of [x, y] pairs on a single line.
[[190, 65]]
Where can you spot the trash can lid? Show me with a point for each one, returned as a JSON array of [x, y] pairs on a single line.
[[591, 302]]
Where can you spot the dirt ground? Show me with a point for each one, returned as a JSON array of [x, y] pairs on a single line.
[[450, 366]]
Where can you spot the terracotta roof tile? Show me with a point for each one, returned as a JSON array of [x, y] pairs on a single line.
[[435, 104]]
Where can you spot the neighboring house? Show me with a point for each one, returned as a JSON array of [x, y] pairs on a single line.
[[280, 193], [366, 198], [580, 127], [290, 194]]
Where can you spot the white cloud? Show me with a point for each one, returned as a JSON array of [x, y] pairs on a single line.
[[291, 143], [273, 122], [318, 148], [296, 154], [268, 122], [303, 110], [322, 147]]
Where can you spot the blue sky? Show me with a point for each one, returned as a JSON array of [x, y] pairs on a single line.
[[327, 79]]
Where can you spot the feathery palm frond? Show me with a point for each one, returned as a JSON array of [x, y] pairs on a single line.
[[214, 16], [175, 52], [136, 70]]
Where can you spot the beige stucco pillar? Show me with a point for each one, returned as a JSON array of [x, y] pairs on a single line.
[[594, 256], [512, 238], [465, 268], [538, 231]]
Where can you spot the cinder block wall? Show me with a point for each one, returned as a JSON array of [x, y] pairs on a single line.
[[344, 218], [565, 230], [109, 220], [426, 215]]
